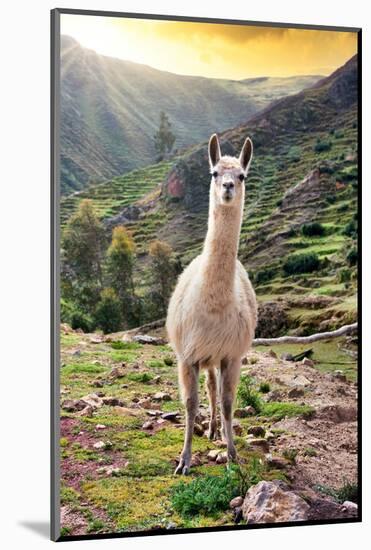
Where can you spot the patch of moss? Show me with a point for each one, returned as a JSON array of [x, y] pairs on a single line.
[[277, 411]]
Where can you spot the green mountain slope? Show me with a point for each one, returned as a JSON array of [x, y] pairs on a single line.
[[110, 111], [304, 170]]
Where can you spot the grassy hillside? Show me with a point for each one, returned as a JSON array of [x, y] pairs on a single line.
[[110, 111]]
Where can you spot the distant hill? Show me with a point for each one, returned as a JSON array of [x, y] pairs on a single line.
[[304, 170], [110, 111]]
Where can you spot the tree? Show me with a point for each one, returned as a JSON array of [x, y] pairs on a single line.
[[163, 272], [83, 243], [108, 312], [164, 137], [120, 260]]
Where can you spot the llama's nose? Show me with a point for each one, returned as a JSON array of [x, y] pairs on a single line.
[[228, 185]]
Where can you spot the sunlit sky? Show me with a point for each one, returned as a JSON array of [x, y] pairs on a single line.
[[205, 49]]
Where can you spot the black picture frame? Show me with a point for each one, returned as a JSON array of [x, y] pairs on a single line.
[[55, 267]]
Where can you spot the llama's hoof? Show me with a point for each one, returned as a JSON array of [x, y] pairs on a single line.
[[182, 468]]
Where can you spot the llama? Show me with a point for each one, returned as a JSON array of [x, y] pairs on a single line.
[[212, 313]]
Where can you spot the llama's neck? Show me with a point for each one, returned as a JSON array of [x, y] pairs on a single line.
[[221, 248]]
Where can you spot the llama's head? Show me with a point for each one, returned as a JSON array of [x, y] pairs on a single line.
[[228, 173]]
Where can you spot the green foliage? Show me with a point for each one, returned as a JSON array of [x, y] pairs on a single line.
[[75, 317], [155, 364], [264, 387], [108, 315], [322, 145], [294, 154], [301, 263], [119, 344], [313, 229], [168, 360], [350, 230], [278, 410], [163, 274], [265, 275], [290, 455], [164, 137], [344, 275], [246, 395], [142, 377], [348, 491], [352, 256], [210, 494]]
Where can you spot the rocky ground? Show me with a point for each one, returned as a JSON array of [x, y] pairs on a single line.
[[122, 427]]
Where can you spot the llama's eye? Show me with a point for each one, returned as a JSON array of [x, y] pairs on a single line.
[[241, 177], [215, 174]]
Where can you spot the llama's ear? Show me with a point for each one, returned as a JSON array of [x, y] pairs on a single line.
[[246, 154], [214, 151]]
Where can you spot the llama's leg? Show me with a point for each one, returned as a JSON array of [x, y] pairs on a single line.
[[229, 376], [211, 388], [188, 381]]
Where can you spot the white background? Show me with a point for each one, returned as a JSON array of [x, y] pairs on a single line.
[[24, 231]]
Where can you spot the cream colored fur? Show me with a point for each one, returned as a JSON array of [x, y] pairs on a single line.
[[212, 313]]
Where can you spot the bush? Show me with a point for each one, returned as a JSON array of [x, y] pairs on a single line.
[[75, 317], [301, 263], [344, 275], [294, 154], [246, 395], [108, 315], [141, 377], [352, 257], [322, 145], [210, 494], [265, 275], [350, 230], [314, 229]]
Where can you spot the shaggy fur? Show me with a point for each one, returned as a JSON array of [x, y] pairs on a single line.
[[212, 313]]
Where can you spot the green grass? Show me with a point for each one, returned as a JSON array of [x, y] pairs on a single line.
[[277, 411]]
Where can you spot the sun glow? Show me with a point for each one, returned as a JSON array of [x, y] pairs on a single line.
[[205, 49]]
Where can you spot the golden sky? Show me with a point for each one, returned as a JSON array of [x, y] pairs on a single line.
[[205, 49]]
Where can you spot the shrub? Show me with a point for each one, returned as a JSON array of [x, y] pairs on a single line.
[[169, 361], [265, 275], [81, 320], [210, 494], [314, 229], [155, 364], [141, 377], [118, 344], [344, 275], [301, 263], [264, 387], [246, 395], [108, 313], [322, 145], [350, 230], [294, 154], [352, 257]]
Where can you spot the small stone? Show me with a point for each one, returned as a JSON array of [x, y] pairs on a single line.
[[295, 392], [162, 396], [157, 379], [171, 525], [250, 410], [308, 362], [196, 460], [241, 413], [145, 403], [222, 458], [213, 454], [160, 421], [97, 383], [124, 386], [340, 376], [287, 357], [76, 353], [99, 445], [198, 430], [100, 426], [73, 405], [237, 428], [272, 353], [236, 502], [259, 443], [118, 372], [93, 400], [221, 444], [277, 463], [113, 402], [96, 340], [86, 411], [348, 505], [148, 425], [153, 412], [258, 431], [172, 416], [244, 361]]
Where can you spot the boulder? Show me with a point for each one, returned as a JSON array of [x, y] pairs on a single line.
[[113, 402], [148, 425], [245, 412], [161, 396], [272, 502], [213, 454], [295, 392], [259, 443], [147, 339], [222, 458], [172, 416], [236, 502], [93, 400]]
